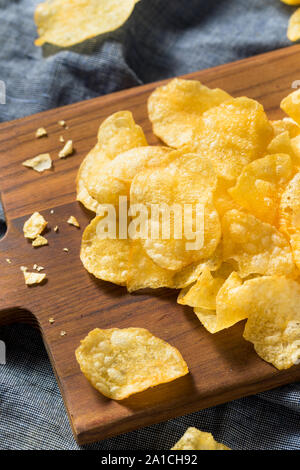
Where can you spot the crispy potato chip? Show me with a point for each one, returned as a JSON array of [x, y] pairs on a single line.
[[291, 2], [223, 201], [273, 307], [286, 124], [34, 225], [105, 258], [39, 241], [257, 247], [282, 143], [290, 207], [175, 109], [73, 221], [120, 362], [32, 278], [188, 180], [259, 185], [116, 134], [233, 134], [68, 22], [291, 105], [194, 439], [39, 163], [294, 26]]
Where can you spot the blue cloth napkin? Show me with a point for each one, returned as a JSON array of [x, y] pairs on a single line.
[[161, 39]]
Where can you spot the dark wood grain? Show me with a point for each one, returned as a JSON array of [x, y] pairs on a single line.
[[223, 366]]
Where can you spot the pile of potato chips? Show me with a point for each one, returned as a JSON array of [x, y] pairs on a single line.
[[225, 154]]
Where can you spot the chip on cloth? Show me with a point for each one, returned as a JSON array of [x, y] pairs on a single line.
[[294, 26], [291, 105], [32, 278], [257, 247], [105, 258], [259, 185], [175, 109], [273, 307], [34, 225], [68, 22], [39, 163], [39, 241], [116, 134], [121, 362], [194, 439], [232, 135], [73, 221]]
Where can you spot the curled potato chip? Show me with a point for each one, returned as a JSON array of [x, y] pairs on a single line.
[[291, 105], [116, 134], [175, 109], [34, 225], [68, 22], [233, 134], [120, 362], [273, 307], [259, 185], [194, 439], [294, 26], [105, 258], [257, 247], [188, 180], [226, 312]]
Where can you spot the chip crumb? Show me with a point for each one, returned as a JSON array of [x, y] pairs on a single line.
[[63, 333], [38, 268], [34, 226], [32, 278], [52, 211], [62, 123], [39, 163], [56, 228], [51, 320], [8, 260], [39, 241], [66, 250], [41, 132], [67, 150], [61, 138], [73, 221]]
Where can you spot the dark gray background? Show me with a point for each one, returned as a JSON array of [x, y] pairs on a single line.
[[163, 38]]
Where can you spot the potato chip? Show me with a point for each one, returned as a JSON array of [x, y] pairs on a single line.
[[203, 293], [32, 278], [34, 225], [290, 207], [282, 143], [73, 221], [272, 304], [291, 105], [121, 362], [223, 201], [294, 26], [259, 185], [39, 241], [291, 2], [285, 124], [257, 247], [175, 109], [233, 134], [188, 180], [105, 258], [68, 22], [67, 150], [116, 134], [39, 163], [194, 439]]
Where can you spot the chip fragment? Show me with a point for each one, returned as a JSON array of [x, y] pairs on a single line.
[[67, 150], [41, 132], [257, 247], [39, 241], [194, 439], [34, 226], [121, 362], [39, 163], [73, 221], [32, 278], [68, 22]]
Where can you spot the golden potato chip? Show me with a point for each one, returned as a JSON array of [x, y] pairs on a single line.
[[39, 163], [223, 201], [285, 124], [282, 143], [175, 109], [289, 215], [203, 293], [257, 247], [188, 180], [68, 22], [291, 105], [233, 134], [34, 225], [116, 134], [294, 26], [273, 307], [32, 278], [295, 144], [225, 313], [291, 2], [194, 439], [73, 221], [120, 362], [105, 258], [259, 185], [39, 241]]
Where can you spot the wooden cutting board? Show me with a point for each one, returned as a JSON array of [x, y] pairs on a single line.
[[223, 366]]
